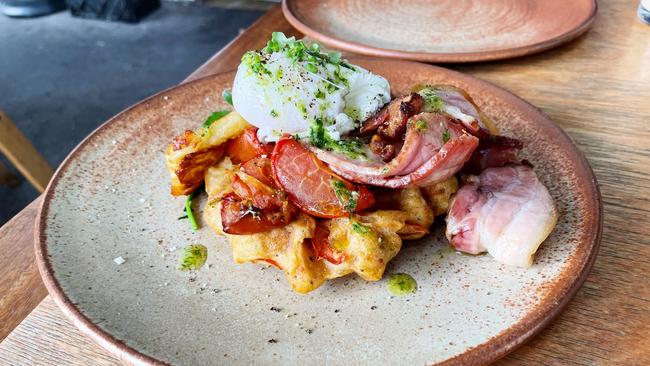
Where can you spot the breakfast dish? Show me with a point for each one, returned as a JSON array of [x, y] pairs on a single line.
[[321, 172], [110, 242]]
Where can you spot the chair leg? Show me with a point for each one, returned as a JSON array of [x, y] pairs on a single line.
[[22, 154]]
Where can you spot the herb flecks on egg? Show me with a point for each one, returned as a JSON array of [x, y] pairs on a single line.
[[292, 87], [320, 137]]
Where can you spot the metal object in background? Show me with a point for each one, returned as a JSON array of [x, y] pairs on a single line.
[[30, 8], [644, 11]]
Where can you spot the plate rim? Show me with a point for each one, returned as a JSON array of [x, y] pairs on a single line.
[[489, 351], [439, 57]]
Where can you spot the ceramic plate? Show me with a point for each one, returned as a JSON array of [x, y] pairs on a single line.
[[110, 198], [441, 31]]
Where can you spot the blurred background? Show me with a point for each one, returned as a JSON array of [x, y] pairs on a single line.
[[68, 74]]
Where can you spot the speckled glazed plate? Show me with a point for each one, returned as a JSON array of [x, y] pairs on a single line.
[[111, 198], [441, 31]]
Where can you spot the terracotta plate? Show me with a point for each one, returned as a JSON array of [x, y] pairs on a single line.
[[110, 198], [441, 31]]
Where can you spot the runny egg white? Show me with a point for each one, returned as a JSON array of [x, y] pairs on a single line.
[[279, 94]]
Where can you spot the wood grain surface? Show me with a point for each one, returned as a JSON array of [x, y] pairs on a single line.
[[47, 339], [596, 88], [21, 288]]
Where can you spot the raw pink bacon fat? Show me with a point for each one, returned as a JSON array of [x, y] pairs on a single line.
[[505, 211]]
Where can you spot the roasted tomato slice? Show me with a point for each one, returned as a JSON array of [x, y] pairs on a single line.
[[245, 147], [254, 207], [261, 169], [263, 196], [313, 186], [239, 216], [322, 246]]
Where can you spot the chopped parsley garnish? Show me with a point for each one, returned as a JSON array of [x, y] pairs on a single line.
[[215, 116], [274, 113], [276, 43], [401, 284], [420, 125], [279, 74], [334, 57], [194, 257], [227, 96], [319, 94], [254, 62], [311, 67], [354, 113], [330, 85], [432, 102], [295, 51], [319, 137], [303, 109], [360, 228], [189, 212], [446, 136], [339, 78], [347, 198]]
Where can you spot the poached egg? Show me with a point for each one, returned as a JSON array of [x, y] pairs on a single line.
[[287, 87]]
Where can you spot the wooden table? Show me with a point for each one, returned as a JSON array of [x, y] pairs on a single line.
[[597, 88]]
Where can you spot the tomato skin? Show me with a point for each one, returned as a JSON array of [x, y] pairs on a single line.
[[240, 188], [271, 262], [245, 147], [308, 181], [261, 169], [254, 207], [366, 199], [261, 195], [236, 217], [322, 247], [269, 147]]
